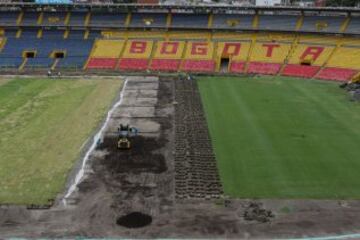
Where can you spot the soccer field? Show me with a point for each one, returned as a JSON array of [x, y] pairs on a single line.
[[280, 137], [44, 124]]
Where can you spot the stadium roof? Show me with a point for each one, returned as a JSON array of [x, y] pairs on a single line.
[[195, 8]]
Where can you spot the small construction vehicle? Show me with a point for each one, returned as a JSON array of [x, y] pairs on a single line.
[[125, 133], [356, 78]]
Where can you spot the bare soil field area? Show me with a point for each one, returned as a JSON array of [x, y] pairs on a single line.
[[167, 185]]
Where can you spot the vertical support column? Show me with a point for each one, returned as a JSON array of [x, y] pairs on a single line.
[[53, 66], [253, 41], [128, 19], [153, 51], [86, 35], [87, 19], [66, 33], [211, 20], [40, 33], [91, 53], [345, 23], [289, 55], [183, 54], [168, 19], [40, 18], [122, 52], [66, 23], [216, 56], [339, 43], [21, 67], [300, 21], [18, 33], [255, 22], [67, 18], [20, 18]]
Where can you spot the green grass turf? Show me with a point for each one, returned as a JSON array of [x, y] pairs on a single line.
[[283, 138], [43, 126]]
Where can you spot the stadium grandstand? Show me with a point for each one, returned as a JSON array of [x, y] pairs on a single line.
[[319, 43]]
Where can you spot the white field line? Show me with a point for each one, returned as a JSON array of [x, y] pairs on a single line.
[[96, 138]]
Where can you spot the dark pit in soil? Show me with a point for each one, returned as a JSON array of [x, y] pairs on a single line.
[[134, 220]]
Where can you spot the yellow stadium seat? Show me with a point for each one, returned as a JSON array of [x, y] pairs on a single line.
[[351, 41], [188, 35], [275, 37], [138, 49], [114, 34], [134, 34], [328, 51], [107, 48], [199, 50], [232, 36], [345, 57], [322, 40], [315, 54], [270, 52], [146, 35], [233, 50], [169, 49]]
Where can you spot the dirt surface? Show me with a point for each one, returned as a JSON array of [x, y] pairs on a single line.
[[142, 180]]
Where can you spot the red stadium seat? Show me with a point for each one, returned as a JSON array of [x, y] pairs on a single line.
[[165, 64], [237, 67], [264, 68], [102, 63], [337, 74], [300, 70], [133, 64], [199, 65]]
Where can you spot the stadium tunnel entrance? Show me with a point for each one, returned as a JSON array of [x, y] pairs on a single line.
[[58, 54], [306, 62], [224, 64], [29, 54]]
